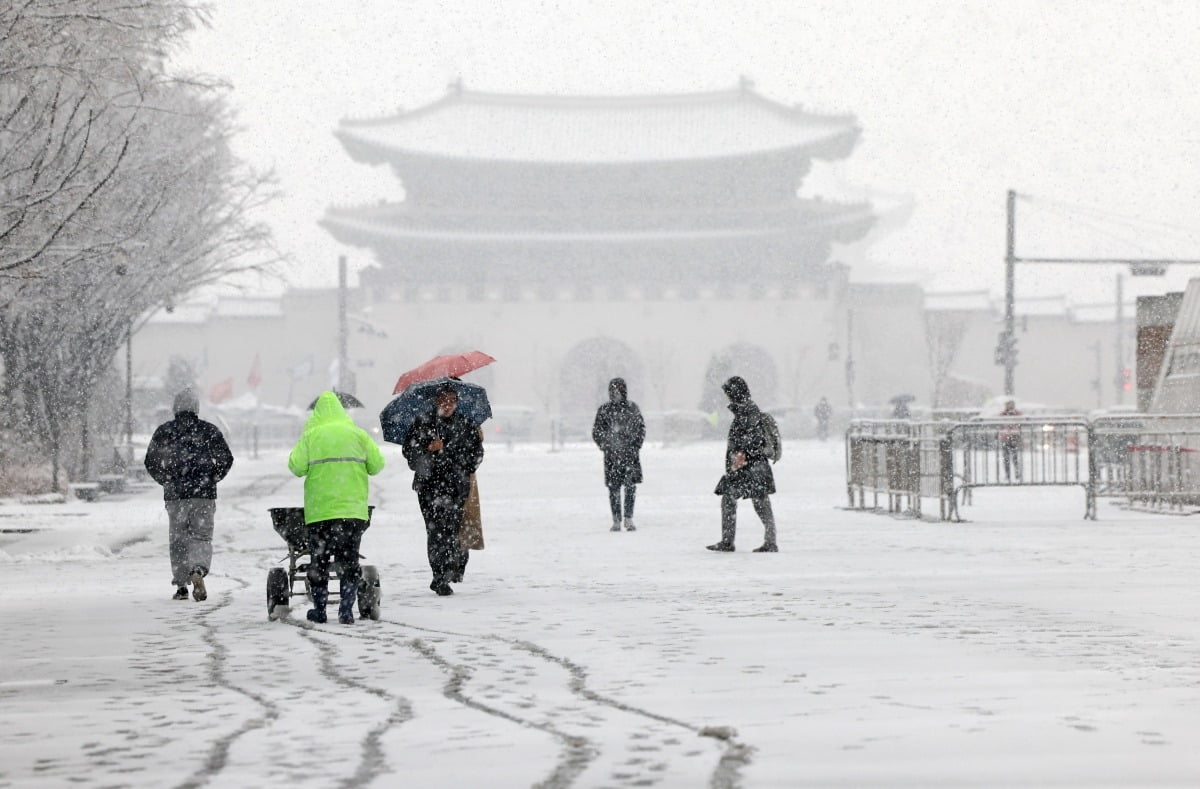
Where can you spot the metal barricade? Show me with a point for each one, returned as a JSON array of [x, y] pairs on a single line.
[[1161, 457], [1021, 452], [1151, 460], [896, 460]]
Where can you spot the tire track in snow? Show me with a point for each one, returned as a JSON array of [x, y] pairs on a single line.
[[577, 753], [218, 755], [580, 751], [726, 775], [371, 763]]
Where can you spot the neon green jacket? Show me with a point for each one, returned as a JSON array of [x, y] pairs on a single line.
[[334, 456]]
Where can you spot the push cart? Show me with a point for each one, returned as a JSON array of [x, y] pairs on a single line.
[[282, 583]]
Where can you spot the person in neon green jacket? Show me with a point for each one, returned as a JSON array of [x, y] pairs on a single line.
[[335, 457]]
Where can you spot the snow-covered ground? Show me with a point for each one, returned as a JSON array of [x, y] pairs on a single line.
[[1025, 647]]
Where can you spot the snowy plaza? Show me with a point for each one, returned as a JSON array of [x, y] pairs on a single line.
[[1026, 646]]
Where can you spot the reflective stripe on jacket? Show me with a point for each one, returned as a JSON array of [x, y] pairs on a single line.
[[334, 456]]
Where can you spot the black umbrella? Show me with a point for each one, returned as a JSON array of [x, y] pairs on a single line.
[[902, 398], [345, 398], [398, 416]]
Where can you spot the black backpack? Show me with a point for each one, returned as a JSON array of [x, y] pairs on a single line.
[[774, 446]]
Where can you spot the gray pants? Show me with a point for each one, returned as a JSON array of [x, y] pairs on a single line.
[[191, 537], [762, 506]]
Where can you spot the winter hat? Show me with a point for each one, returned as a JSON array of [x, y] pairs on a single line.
[[737, 389], [187, 401], [617, 391]]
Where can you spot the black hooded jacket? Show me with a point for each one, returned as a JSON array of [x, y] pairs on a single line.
[[188, 457], [449, 470], [620, 431], [747, 435]]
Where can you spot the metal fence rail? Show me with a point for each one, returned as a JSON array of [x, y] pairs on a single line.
[[1150, 460], [893, 459], [1020, 452]]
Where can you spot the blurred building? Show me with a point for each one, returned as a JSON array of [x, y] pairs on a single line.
[[673, 240], [660, 238]]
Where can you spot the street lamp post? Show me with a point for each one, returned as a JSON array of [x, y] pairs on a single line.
[[129, 395]]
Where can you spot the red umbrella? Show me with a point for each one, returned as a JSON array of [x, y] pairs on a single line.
[[452, 365]]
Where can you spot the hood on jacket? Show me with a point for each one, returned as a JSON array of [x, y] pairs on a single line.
[[617, 391], [737, 389], [328, 409], [187, 401]]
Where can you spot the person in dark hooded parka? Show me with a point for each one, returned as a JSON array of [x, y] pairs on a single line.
[[188, 457], [747, 468], [619, 431]]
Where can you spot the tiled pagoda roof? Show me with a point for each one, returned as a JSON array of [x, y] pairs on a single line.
[[397, 221], [472, 125]]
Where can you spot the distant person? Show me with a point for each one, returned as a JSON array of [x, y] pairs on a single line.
[[335, 457], [823, 412], [619, 431], [188, 457], [1010, 444], [748, 472], [444, 448], [900, 411]]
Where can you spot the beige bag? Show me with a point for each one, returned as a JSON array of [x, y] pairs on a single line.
[[470, 534]]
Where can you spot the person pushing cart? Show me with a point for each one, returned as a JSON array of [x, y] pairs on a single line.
[[335, 457]]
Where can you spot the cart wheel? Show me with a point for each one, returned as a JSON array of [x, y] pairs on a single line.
[[278, 591], [370, 594]]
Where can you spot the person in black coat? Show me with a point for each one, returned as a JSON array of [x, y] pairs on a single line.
[[747, 468], [444, 448], [823, 412], [619, 431], [188, 457]]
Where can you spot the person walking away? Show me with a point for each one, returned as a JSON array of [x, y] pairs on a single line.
[[1010, 444], [619, 430], [823, 412], [335, 457], [443, 448], [188, 457], [748, 472]]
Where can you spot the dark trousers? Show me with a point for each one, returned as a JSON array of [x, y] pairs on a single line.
[[337, 541], [762, 505], [614, 500], [443, 514], [1010, 452]]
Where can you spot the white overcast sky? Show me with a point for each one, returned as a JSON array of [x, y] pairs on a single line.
[[1089, 104]]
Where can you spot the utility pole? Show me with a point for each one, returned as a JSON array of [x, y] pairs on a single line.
[[343, 330], [1007, 353], [850, 357], [1006, 347], [1119, 371]]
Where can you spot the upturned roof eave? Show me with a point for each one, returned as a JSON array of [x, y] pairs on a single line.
[[848, 227], [837, 145]]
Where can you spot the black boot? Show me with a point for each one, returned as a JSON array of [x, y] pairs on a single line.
[[320, 597], [346, 607]]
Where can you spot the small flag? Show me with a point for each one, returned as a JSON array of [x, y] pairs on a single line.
[[255, 377], [220, 391]]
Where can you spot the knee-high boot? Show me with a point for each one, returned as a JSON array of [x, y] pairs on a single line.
[[320, 596], [346, 606]]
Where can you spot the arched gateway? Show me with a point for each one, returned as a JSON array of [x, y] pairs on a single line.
[[669, 225]]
